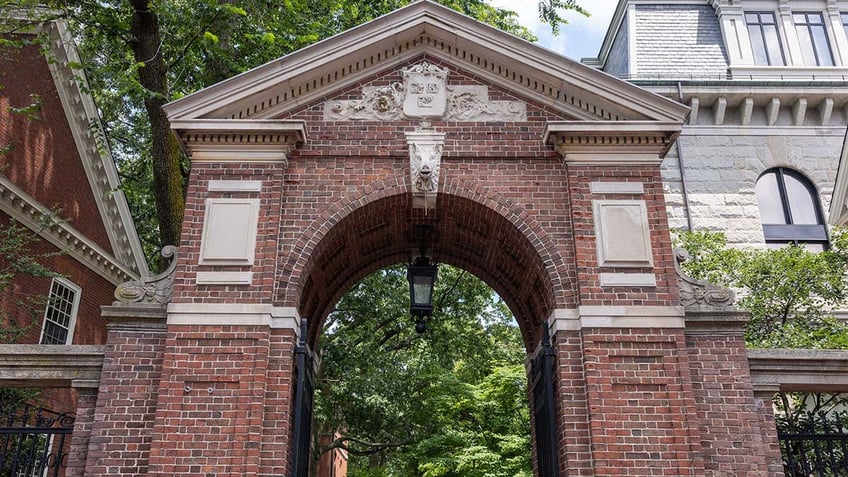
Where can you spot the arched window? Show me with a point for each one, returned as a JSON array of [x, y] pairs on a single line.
[[789, 210]]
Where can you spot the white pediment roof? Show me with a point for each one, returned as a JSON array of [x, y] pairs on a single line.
[[425, 28]]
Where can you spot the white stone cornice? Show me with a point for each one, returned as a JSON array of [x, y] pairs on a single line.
[[237, 314], [570, 319], [26, 210], [719, 109], [239, 140], [800, 369], [649, 140], [84, 122], [425, 29]]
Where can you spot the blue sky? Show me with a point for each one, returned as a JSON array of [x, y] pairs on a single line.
[[581, 37]]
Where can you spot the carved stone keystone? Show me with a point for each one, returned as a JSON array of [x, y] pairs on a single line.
[[425, 156]]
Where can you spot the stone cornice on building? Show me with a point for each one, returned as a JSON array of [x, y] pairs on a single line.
[[804, 370], [244, 140], [45, 366], [759, 103], [100, 169], [26, 210], [627, 141], [430, 30]]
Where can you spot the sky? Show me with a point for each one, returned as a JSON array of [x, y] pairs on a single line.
[[582, 36]]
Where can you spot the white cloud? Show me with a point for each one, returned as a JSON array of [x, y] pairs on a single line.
[[581, 37]]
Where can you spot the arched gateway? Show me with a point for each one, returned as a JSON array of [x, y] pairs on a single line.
[[538, 174]]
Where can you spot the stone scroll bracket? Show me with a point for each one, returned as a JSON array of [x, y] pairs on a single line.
[[153, 290], [697, 294], [425, 157]]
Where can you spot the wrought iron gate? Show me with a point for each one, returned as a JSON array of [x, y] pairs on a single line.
[[304, 392], [815, 447], [34, 442], [542, 385]]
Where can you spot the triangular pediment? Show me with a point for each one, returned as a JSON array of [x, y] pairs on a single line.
[[425, 29]]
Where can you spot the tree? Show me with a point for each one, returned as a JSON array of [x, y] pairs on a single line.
[[140, 54], [791, 293], [449, 402]]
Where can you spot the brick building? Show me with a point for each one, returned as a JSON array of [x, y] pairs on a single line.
[[55, 163], [766, 84], [540, 175]]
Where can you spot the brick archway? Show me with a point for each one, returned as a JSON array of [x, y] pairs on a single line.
[[307, 175], [481, 232]]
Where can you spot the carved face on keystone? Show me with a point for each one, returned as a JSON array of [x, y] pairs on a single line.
[[425, 171]]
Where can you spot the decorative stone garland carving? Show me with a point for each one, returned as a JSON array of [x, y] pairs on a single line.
[[472, 103], [424, 94], [151, 290], [699, 292]]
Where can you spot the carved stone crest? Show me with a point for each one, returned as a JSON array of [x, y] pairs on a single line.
[[426, 91], [425, 155], [425, 94]]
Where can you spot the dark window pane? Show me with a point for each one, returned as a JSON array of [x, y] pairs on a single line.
[[769, 200], [815, 47], [773, 48], [765, 41], [802, 204], [822, 46], [780, 191]]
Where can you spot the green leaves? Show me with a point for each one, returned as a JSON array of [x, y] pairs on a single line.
[[450, 402], [790, 292]]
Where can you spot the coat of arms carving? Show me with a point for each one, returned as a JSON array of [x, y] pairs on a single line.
[[426, 91], [425, 94]]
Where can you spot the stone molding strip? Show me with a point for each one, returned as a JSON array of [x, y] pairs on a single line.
[[239, 140], [247, 314], [612, 142], [574, 319], [50, 366], [26, 210], [799, 369], [100, 169]]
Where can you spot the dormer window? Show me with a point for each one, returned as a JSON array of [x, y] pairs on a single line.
[[789, 210], [815, 48], [765, 40]]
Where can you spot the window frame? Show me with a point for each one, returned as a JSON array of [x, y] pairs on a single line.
[[790, 232], [72, 316], [759, 26], [843, 16], [806, 29]]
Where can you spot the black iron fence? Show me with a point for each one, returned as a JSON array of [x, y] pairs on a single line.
[[815, 446], [34, 442]]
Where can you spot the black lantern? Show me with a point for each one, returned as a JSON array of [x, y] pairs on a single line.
[[422, 279]]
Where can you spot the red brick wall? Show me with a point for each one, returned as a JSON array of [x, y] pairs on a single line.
[[96, 292], [127, 401], [737, 430], [575, 456], [508, 211], [211, 401], [641, 402], [44, 161]]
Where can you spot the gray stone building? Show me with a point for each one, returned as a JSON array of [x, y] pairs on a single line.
[[767, 83]]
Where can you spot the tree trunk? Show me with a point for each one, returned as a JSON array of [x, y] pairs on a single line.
[[165, 151]]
